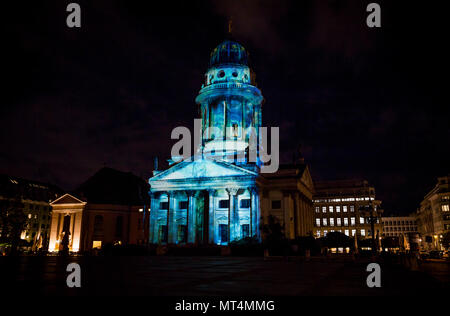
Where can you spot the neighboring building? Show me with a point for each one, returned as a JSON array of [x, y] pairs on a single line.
[[395, 226], [403, 229], [433, 216], [338, 207], [111, 207], [287, 195], [214, 197], [33, 199]]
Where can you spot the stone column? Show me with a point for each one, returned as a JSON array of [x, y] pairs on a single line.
[[154, 208], [190, 217], [212, 217], [253, 212], [287, 214], [171, 218], [232, 216]]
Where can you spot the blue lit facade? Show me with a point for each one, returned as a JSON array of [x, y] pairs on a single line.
[[214, 199]]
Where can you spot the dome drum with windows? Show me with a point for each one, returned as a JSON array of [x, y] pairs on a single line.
[[229, 101]]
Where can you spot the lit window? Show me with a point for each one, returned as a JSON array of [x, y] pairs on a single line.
[[361, 220], [346, 232], [324, 209], [363, 232], [318, 222], [344, 209], [352, 221], [224, 203], [445, 208], [325, 232], [97, 244], [338, 221], [318, 233], [183, 205], [345, 221], [317, 209], [338, 209], [324, 222], [353, 232], [352, 208], [331, 221], [331, 209], [245, 203]]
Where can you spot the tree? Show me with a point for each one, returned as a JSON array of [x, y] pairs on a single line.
[[337, 240], [12, 221], [273, 236]]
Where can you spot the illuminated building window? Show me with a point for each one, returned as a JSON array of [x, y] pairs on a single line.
[[325, 233], [331, 221], [353, 232], [352, 221], [97, 244], [318, 222], [182, 233], [346, 232], [276, 204], [164, 205], [162, 233], [324, 220], [345, 221], [224, 203], [363, 232], [361, 220], [344, 209], [338, 209], [317, 209], [245, 203], [183, 205], [324, 209], [445, 208], [338, 221], [318, 233], [245, 230], [331, 209], [352, 208]]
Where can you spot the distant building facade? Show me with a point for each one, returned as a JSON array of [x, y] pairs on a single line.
[[338, 207], [395, 226], [109, 208], [433, 216], [32, 198]]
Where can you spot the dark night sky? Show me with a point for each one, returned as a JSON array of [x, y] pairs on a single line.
[[364, 103]]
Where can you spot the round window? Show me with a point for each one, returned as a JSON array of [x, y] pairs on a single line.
[[221, 74], [235, 74]]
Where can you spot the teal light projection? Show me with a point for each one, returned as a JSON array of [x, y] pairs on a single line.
[[214, 199]]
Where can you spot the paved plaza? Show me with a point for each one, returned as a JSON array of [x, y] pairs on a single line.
[[212, 276]]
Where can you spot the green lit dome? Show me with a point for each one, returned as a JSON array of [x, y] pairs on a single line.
[[228, 52]]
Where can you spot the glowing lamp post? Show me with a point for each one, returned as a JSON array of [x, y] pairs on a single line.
[[371, 214]]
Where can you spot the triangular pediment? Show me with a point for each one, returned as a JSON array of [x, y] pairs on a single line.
[[67, 199], [202, 168]]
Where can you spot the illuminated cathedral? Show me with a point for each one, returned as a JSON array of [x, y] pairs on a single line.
[[219, 195]]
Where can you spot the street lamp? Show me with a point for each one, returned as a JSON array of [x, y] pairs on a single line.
[[371, 214]]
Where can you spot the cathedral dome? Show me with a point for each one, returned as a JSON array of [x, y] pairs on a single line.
[[229, 52]]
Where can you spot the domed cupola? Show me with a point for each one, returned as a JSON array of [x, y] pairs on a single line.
[[229, 102], [229, 52]]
